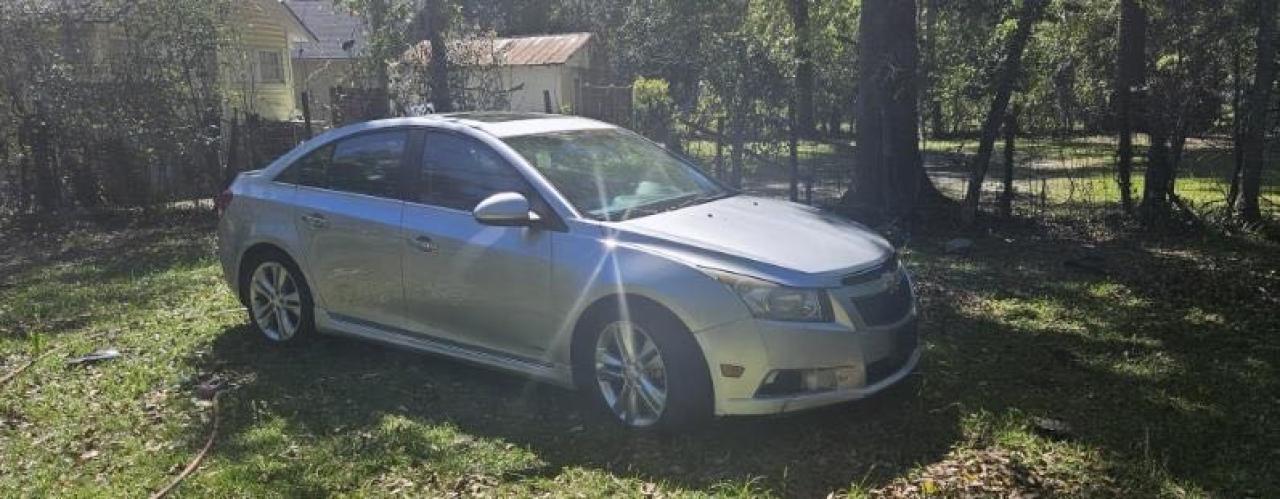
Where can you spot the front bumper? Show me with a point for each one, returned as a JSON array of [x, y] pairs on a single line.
[[880, 357]]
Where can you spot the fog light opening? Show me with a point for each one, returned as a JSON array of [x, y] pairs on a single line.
[[785, 382]]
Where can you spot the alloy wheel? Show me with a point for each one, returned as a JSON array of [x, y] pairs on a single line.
[[631, 374], [275, 301]]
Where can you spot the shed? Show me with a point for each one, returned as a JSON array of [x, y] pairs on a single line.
[[533, 68]]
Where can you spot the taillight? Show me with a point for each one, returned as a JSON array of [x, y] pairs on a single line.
[[222, 202]]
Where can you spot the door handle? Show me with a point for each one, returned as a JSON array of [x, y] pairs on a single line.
[[315, 220], [424, 244]]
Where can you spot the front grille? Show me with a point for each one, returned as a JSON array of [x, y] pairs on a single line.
[[870, 275], [888, 307], [904, 344]]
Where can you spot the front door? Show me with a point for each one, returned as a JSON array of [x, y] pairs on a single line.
[[481, 286], [348, 213]]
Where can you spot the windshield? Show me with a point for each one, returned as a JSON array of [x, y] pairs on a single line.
[[615, 174]]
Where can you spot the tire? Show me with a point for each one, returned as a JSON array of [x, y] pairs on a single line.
[[260, 275], [603, 376]]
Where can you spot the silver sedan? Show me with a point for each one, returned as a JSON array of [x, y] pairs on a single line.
[[572, 251]]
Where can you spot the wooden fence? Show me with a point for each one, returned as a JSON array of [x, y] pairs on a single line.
[[349, 105], [610, 104]]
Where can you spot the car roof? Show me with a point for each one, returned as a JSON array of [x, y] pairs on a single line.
[[500, 124]]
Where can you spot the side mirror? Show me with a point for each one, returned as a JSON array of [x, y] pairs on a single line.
[[505, 209]]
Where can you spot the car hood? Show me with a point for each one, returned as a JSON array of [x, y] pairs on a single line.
[[784, 242]]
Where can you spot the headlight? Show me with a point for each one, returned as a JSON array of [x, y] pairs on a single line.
[[772, 301]]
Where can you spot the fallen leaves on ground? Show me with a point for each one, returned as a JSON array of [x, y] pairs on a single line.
[[988, 472]]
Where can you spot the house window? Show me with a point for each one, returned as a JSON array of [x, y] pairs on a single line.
[[270, 67]]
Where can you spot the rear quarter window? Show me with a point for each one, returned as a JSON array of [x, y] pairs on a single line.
[[364, 164], [310, 170]]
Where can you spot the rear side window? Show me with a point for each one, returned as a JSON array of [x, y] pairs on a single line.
[[365, 164], [310, 170], [459, 173]]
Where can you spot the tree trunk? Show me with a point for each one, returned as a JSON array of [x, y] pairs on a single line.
[[804, 68], [432, 22], [1005, 80], [1255, 129], [378, 12], [1010, 136], [1130, 75], [1155, 185], [1237, 129], [936, 128], [888, 176]]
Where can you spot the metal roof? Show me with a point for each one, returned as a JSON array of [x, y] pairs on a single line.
[[538, 50]]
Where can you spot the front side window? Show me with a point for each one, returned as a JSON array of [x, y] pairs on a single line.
[[459, 173], [614, 174], [270, 67]]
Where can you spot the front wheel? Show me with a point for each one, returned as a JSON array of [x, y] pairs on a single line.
[[643, 369]]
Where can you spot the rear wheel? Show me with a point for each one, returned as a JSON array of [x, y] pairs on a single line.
[[642, 369], [278, 299]]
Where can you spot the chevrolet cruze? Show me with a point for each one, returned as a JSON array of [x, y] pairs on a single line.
[[574, 252]]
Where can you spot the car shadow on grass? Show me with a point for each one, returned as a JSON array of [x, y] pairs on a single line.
[[337, 387]]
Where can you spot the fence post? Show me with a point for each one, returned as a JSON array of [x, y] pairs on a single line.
[[577, 96], [808, 186], [233, 150], [735, 156], [720, 148], [1010, 136], [794, 150], [253, 130], [335, 105], [306, 114]]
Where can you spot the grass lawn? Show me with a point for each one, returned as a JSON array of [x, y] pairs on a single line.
[[1073, 170], [1161, 355], [1082, 169]]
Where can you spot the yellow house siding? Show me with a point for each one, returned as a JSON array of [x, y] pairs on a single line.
[[257, 32]]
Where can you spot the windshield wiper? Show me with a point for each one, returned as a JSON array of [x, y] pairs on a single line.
[[654, 208], [673, 204], [704, 198]]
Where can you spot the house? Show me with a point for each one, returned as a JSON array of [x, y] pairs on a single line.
[[533, 73], [331, 60], [260, 74], [254, 67], [535, 67]]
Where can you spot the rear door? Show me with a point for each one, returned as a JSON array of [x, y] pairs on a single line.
[[348, 211], [483, 286]]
